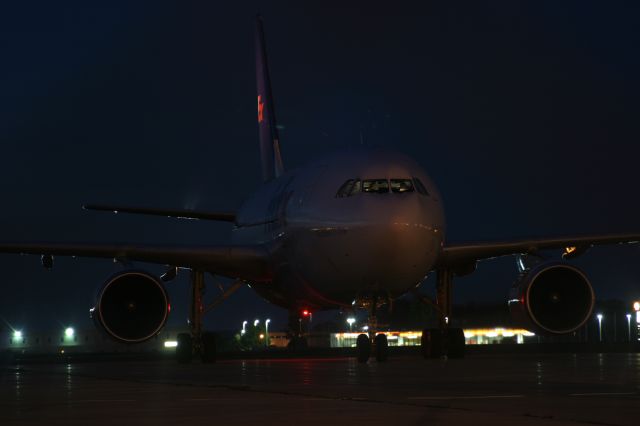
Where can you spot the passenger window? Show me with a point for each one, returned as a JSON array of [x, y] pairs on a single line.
[[400, 186], [420, 187], [377, 186]]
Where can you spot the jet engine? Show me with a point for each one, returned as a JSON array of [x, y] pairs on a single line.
[[132, 306], [552, 298]]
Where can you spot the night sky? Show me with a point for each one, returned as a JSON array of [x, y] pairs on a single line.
[[526, 115]]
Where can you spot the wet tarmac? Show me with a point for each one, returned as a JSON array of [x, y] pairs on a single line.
[[549, 389]]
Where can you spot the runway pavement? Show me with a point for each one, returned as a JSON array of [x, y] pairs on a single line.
[[549, 389]]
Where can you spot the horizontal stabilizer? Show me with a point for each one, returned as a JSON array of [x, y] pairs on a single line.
[[180, 214]]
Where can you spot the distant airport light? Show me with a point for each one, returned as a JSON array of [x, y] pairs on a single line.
[[17, 334], [638, 317], [496, 332], [261, 336], [628, 327], [365, 328], [636, 306], [599, 316], [256, 322], [170, 344], [69, 332], [305, 313], [244, 327], [350, 321], [266, 331]]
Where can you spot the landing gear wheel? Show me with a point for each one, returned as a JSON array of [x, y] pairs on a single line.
[[184, 350], [455, 343], [432, 343], [381, 348], [363, 345], [208, 348]]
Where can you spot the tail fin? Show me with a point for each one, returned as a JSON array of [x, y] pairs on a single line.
[[268, 131]]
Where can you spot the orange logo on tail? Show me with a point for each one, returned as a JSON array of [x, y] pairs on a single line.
[[260, 109]]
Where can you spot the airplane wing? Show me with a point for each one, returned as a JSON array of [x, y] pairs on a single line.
[[243, 262], [465, 253], [180, 214]]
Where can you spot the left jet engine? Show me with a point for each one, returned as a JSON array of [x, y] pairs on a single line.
[[132, 306]]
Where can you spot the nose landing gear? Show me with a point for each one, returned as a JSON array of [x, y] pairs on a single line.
[[378, 343]]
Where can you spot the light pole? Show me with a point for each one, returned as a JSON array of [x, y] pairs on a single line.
[[628, 327], [636, 307], [350, 321], [599, 316], [256, 322], [244, 327], [266, 332]]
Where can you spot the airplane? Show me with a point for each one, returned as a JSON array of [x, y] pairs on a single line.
[[355, 229]]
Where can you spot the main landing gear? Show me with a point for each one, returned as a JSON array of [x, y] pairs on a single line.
[[372, 342], [198, 342], [445, 340]]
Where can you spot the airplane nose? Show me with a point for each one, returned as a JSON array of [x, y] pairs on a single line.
[[400, 255]]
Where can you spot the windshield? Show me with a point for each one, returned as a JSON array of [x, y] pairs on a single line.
[[377, 186]]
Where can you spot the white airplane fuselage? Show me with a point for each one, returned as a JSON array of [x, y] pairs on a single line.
[[327, 249]]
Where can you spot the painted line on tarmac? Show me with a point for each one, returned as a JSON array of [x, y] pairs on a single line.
[[211, 399], [602, 394], [467, 397]]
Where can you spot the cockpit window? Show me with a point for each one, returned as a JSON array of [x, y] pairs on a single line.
[[400, 186], [349, 188], [345, 189], [357, 187], [377, 186], [420, 187]]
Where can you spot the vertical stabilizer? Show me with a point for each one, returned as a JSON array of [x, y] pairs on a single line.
[[267, 129]]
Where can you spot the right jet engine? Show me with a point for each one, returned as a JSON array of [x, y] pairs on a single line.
[[552, 298]]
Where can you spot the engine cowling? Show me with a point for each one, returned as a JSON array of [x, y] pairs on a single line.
[[552, 298], [132, 306]]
